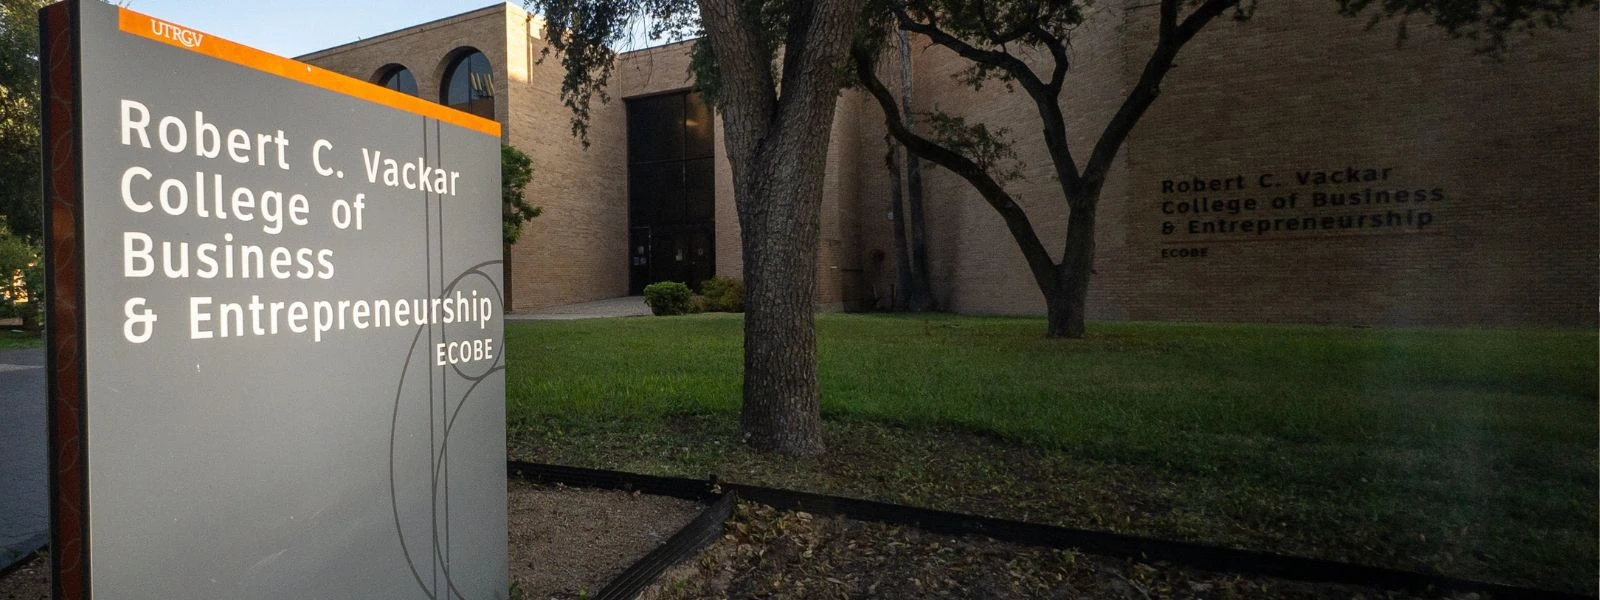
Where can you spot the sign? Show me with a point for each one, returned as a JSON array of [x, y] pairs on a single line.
[[276, 345], [1318, 204]]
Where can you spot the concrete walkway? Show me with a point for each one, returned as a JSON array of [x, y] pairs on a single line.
[[24, 476], [631, 306]]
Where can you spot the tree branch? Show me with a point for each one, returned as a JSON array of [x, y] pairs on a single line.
[[1144, 93], [817, 44], [1016, 219], [1058, 52], [1055, 123], [737, 46], [796, 39], [1046, 97], [1169, 21], [1012, 65]]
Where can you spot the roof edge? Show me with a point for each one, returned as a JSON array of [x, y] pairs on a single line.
[[413, 29]]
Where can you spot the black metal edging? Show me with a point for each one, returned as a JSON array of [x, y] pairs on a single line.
[[682, 545], [1213, 558], [676, 487], [1201, 556], [24, 560]]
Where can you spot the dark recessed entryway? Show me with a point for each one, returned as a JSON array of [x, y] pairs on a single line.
[[671, 191]]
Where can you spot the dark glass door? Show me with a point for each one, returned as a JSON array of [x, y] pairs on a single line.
[[686, 254], [671, 191], [639, 255]]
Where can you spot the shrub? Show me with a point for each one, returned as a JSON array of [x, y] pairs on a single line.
[[33, 284], [667, 298], [21, 279], [724, 294], [516, 171]]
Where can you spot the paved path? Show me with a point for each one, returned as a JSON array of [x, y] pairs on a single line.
[[631, 306], [24, 480]]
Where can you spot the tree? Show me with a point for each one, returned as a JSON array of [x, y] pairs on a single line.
[[921, 292], [911, 249], [999, 37], [516, 171], [20, 200], [777, 112], [21, 279], [897, 219]]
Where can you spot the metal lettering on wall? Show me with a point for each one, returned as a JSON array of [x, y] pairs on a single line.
[[1195, 210], [294, 343]]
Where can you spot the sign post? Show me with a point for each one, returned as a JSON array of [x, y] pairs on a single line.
[[275, 329]]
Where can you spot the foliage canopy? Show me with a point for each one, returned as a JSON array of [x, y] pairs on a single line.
[[20, 200], [516, 171]]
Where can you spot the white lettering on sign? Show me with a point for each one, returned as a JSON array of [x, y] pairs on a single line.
[[409, 175], [182, 35], [450, 353]]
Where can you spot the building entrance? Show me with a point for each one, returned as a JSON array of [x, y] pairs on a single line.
[[671, 191]]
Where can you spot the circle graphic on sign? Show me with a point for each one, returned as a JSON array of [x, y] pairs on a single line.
[[423, 528]]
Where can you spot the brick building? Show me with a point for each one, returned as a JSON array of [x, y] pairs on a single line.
[[1298, 167]]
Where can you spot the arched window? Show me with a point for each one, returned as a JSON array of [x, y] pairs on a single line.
[[468, 84], [397, 78]]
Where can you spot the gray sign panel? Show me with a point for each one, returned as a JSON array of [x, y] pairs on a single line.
[[293, 365]]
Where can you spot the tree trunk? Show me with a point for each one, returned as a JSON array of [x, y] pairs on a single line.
[[920, 292], [777, 147], [507, 301], [781, 221], [1064, 315], [897, 217], [1066, 301]]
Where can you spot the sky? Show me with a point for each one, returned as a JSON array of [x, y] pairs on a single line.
[[295, 27]]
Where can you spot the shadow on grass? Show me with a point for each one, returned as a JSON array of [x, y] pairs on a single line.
[[1463, 452]]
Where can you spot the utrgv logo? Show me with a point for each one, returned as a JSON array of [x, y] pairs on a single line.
[[188, 37]]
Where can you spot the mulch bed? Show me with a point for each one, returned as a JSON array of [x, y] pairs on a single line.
[[567, 543], [780, 555], [29, 582]]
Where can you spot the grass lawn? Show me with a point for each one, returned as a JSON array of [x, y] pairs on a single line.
[[14, 338], [1468, 452]]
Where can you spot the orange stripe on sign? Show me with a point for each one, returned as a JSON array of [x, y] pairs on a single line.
[[152, 28]]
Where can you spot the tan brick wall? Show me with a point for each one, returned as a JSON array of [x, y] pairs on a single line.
[[874, 233], [842, 233], [838, 198], [425, 50], [1512, 145], [577, 250]]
